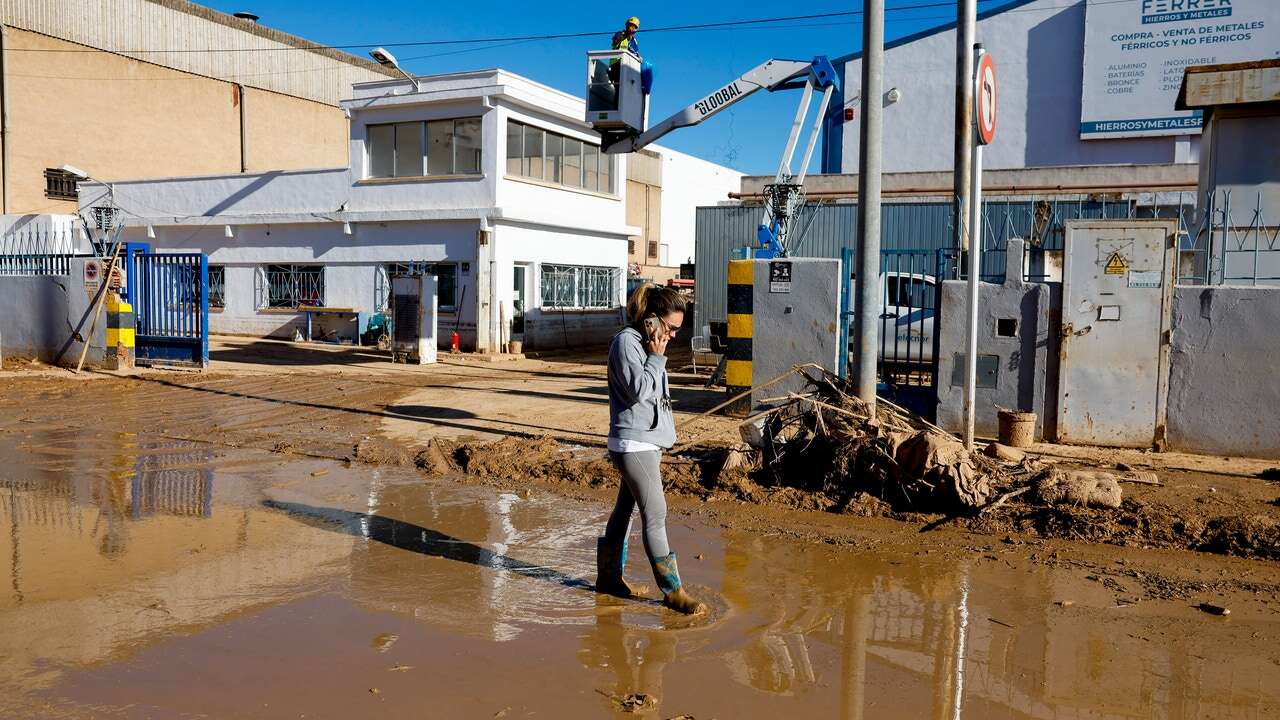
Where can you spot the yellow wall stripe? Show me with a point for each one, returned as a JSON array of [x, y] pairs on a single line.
[[120, 336], [737, 372], [739, 326], [741, 272]]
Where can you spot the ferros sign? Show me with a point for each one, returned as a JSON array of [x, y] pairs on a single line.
[[1135, 52]]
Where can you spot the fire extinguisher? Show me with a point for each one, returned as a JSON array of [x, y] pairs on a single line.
[[453, 343]]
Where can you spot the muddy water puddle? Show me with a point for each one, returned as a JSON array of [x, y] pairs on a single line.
[[147, 577]]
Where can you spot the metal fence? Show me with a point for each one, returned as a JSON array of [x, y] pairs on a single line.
[[36, 252], [827, 230], [1234, 241]]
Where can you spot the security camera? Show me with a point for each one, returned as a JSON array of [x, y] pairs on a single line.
[[383, 57], [894, 95]]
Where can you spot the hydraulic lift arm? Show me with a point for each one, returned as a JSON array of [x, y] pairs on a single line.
[[785, 196], [770, 75]]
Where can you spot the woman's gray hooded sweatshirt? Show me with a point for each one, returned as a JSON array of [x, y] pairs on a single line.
[[639, 397]]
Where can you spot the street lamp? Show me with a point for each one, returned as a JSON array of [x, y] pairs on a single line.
[[386, 59], [105, 216]]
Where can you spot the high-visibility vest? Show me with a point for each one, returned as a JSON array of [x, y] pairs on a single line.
[[622, 42]]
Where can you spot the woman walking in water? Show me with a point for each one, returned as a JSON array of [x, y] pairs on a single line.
[[640, 428]]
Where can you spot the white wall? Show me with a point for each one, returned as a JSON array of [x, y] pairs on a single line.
[[1038, 50], [349, 260], [520, 243], [450, 192], [687, 184], [528, 201], [298, 217]]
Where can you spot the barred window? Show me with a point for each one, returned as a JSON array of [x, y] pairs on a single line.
[[579, 286], [217, 286], [60, 184], [554, 158], [289, 286], [446, 279]]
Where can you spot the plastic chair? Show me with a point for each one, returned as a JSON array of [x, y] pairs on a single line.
[[701, 343]]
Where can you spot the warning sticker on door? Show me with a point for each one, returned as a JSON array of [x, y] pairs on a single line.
[[1144, 278], [1116, 265]]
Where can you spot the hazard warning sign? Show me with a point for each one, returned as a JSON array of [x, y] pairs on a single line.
[[1116, 265]]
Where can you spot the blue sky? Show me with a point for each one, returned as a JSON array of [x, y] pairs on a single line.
[[748, 137]]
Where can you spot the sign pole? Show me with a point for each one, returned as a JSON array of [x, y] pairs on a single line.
[[975, 267], [983, 128]]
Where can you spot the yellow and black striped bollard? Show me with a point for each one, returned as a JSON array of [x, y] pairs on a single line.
[[737, 371]]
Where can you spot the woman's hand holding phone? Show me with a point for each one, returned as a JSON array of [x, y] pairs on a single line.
[[658, 335]]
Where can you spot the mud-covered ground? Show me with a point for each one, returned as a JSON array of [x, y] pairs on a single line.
[[307, 531], [543, 422]]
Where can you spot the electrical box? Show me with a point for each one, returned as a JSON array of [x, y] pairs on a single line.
[[414, 318], [782, 312], [1117, 300], [615, 92]]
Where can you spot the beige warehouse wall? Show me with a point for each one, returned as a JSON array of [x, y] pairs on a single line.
[[288, 133], [120, 118]]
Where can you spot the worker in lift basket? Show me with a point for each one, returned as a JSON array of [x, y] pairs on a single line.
[[625, 40]]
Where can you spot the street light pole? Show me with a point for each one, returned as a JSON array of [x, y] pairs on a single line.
[[866, 320]]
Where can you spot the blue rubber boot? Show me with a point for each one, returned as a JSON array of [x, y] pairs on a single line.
[[673, 594], [610, 560]]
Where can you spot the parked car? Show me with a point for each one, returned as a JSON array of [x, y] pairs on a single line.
[[906, 320]]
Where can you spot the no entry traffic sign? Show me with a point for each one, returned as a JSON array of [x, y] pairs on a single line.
[[985, 99]]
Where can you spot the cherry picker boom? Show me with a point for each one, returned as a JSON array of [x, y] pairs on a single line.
[[617, 108]]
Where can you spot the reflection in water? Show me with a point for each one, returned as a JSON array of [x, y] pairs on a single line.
[[113, 542], [635, 656], [526, 565], [117, 549], [173, 478]]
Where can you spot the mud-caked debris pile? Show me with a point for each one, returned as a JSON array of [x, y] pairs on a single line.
[[827, 440]]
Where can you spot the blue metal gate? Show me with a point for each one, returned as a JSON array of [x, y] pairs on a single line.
[[910, 294], [170, 297]]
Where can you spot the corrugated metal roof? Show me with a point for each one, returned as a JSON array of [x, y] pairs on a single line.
[[165, 32]]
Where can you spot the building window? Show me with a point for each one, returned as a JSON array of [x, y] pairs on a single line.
[[291, 286], [417, 149], [566, 286], [60, 184], [217, 286], [653, 249], [543, 155], [446, 282]]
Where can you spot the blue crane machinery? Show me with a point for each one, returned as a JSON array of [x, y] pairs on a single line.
[[618, 85]]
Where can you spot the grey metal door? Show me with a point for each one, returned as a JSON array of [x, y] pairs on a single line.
[[1116, 303]]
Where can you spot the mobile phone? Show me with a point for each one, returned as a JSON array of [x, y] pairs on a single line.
[[652, 325]]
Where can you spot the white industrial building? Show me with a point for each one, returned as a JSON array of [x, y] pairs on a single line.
[[1080, 84], [491, 180]]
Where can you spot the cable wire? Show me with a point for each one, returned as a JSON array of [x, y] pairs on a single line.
[[311, 47]]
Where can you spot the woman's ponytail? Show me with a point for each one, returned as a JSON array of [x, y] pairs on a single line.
[[639, 301], [650, 299]]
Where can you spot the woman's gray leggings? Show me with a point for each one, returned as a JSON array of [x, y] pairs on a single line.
[[641, 485]]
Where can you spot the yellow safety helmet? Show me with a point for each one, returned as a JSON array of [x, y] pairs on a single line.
[[633, 20]]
